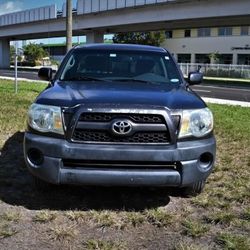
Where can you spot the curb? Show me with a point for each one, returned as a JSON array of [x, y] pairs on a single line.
[[225, 102]]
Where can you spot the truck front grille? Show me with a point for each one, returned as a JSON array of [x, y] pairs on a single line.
[[97, 128], [102, 136]]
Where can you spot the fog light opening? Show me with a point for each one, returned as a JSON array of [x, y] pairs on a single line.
[[206, 161], [35, 156]]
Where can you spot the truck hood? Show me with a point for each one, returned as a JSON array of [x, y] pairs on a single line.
[[69, 94]]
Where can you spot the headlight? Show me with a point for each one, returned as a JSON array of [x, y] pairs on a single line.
[[197, 123], [45, 118]]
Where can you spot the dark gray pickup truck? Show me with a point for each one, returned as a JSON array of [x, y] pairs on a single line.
[[120, 115]]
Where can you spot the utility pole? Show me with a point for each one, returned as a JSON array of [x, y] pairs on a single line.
[[69, 24]]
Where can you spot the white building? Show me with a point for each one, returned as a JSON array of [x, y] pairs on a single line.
[[225, 45]]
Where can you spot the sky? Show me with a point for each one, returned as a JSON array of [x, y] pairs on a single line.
[[8, 6]]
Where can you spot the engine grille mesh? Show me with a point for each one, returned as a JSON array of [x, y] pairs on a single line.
[[102, 136], [95, 135]]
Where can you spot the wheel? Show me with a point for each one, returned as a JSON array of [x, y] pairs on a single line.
[[41, 185], [193, 190]]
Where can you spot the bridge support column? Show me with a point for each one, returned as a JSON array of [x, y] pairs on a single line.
[[4, 54], [95, 37]]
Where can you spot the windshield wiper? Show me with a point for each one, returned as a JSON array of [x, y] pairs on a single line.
[[83, 78], [130, 80]]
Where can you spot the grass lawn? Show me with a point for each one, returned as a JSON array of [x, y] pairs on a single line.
[[123, 218]]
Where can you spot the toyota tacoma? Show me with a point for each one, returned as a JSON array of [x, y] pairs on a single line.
[[120, 115]]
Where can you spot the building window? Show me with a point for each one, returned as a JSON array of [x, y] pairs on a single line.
[[244, 31], [244, 59], [204, 32], [169, 34], [187, 33], [184, 58], [225, 31], [226, 59], [202, 58]]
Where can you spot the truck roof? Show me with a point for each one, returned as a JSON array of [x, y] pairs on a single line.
[[135, 47]]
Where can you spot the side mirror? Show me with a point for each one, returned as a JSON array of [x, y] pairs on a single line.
[[195, 78], [45, 74]]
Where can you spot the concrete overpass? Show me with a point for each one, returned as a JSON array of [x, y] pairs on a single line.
[[94, 18]]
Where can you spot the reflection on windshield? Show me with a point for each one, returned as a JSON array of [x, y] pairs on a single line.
[[84, 65]]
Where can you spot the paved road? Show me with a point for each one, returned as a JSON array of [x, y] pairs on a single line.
[[22, 74], [236, 94], [228, 93]]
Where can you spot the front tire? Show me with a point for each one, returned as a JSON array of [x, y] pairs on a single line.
[[193, 190]]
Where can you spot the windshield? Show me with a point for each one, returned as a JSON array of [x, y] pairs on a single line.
[[124, 66]]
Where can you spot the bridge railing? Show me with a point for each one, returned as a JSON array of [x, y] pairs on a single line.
[[37, 14], [83, 7], [217, 70], [91, 6]]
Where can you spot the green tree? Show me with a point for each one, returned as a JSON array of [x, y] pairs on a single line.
[[34, 52], [154, 38], [214, 56]]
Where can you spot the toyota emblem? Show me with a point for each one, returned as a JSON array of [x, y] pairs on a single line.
[[121, 127]]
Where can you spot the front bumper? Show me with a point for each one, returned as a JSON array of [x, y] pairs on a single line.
[[184, 156]]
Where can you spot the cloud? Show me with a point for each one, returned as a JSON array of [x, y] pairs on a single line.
[[10, 6]]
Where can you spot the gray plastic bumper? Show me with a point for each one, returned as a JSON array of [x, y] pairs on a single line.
[[54, 150]]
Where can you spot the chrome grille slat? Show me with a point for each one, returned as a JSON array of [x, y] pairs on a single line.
[[106, 125], [106, 117]]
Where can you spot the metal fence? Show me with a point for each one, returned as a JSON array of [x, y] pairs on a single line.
[[217, 70]]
